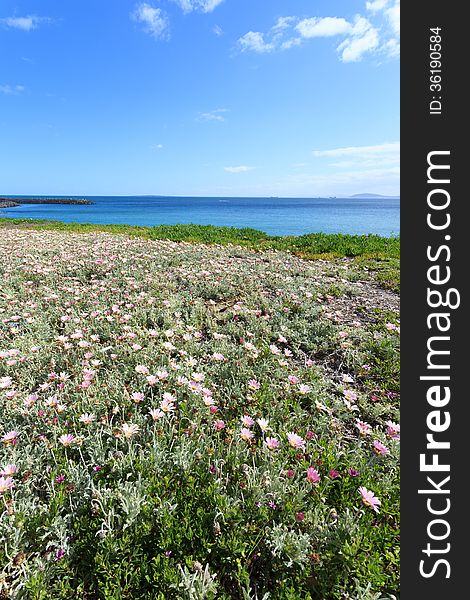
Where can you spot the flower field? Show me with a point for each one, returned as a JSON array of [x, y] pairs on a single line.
[[181, 420]]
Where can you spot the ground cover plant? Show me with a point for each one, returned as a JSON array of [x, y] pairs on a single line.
[[182, 420]]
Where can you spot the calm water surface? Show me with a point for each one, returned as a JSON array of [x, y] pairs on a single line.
[[275, 216]]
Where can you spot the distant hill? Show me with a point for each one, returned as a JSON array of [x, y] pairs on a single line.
[[372, 196]]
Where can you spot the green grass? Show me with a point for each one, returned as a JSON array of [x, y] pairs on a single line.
[[378, 254]]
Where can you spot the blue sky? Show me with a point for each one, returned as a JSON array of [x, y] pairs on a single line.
[[199, 97]]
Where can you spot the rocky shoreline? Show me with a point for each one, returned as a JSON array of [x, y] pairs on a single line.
[[6, 202]]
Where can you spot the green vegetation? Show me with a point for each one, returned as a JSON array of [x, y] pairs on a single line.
[[186, 421], [380, 255]]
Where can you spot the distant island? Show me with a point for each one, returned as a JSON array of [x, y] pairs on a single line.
[[372, 196], [8, 202]]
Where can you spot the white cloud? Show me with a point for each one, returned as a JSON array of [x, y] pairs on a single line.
[[25, 23], [393, 16], [205, 6], [156, 147], [290, 43], [239, 169], [254, 40], [359, 36], [213, 115], [322, 27], [283, 23], [9, 90], [392, 48], [218, 30], [388, 148], [364, 38], [153, 19], [376, 5]]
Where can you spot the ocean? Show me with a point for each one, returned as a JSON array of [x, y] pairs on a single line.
[[275, 216]]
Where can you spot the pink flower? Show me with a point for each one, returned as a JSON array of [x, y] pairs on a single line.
[[393, 430], [254, 385], [263, 424], [364, 428], [334, 474], [142, 369], [156, 414], [152, 379], [293, 379], [9, 470], [295, 440], [313, 475], [5, 382], [380, 449], [162, 375], [6, 484], [369, 499], [218, 356], [219, 425], [350, 395], [87, 418], [67, 439], [304, 389], [246, 434], [274, 349], [272, 443], [130, 429], [137, 397], [168, 403], [247, 421], [11, 437]]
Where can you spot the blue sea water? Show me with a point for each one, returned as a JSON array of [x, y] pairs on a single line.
[[275, 216]]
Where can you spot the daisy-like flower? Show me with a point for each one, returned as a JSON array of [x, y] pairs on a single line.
[[195, 387], [219, 425], [67, 439], [274, 349], [156, 414], [169, 346], [254, 385], [6, 484], [87, 418], [246, 434], [393, 430], [364, 428], [293, 379], [263, 424], [9, 470], [218, 357], [168, 403], [247, 421], [369, 499], [152, 379], [350, 395], [272, 443], [142, 369], [295, 441], [162, 374], [304, 389], [129, 429], [380, 449], [281, 339], [11, 437], [313, 475], [198, 377], [137, 397], [5, 382]]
